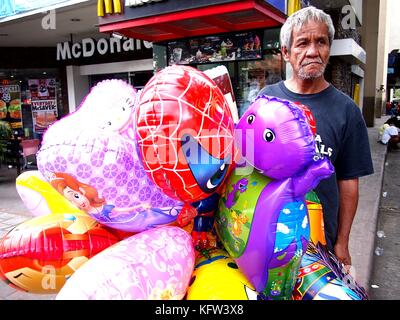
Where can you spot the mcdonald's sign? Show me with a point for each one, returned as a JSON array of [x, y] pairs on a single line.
[[109, 7]]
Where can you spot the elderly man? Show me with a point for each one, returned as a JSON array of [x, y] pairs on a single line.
[[306, 38]]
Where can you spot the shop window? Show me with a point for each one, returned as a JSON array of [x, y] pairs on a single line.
[[136, 79], [95, 79], [140, 78], [255, 75]]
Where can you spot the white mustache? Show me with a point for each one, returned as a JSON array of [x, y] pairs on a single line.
[[307, 62]]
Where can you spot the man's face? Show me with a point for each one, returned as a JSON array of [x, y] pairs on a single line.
[[309, 51]]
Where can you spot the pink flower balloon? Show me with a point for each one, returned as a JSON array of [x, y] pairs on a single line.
[[91, 158], [152, 265]]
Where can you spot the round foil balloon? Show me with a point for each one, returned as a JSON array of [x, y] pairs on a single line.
[[152, 265], [321, 278], [217, 277], [39, 255], [90, 157], [185, 133], [40, 197]]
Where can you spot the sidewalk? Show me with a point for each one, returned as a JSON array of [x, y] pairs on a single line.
[[362, 239], [385, 278], [12, 213]]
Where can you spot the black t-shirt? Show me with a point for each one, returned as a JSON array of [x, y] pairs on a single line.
[[342, 135]]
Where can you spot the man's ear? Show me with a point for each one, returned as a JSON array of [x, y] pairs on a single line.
[[285, 54]]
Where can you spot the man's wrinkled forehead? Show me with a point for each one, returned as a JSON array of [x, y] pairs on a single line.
[[317, 28]]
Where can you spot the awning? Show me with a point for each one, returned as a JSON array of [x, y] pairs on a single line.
[[212, 19]]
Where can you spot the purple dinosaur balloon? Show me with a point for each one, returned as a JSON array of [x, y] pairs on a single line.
[[282, 136], [272, 211]]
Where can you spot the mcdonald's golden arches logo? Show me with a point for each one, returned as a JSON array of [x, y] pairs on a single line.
[[108, 7]]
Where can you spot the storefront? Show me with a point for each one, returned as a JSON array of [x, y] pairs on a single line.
[[31, 91], [241, 35], [40, 85], [90, 60]]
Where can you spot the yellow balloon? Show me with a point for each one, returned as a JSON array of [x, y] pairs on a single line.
[[217, 277], [40, 197]]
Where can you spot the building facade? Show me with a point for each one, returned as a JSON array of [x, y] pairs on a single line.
[[61, 44], [241, 35]]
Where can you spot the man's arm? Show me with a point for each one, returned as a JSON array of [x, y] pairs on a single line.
[[348, 202]]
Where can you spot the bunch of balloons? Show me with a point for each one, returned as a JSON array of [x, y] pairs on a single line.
[[153, 195]]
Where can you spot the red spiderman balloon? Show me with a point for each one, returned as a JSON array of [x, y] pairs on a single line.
[[309, 116], [185, 133]]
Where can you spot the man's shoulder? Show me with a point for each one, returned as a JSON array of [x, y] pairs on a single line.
[[343, 97], [344, 104]]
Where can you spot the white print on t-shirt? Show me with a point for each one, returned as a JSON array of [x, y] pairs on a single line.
[[321, 148]]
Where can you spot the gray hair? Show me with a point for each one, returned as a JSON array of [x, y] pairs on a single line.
[[300, 18]]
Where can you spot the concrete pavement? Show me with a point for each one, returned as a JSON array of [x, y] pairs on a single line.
[[12, 213], [363, 233], [385, 278], [362, 240]]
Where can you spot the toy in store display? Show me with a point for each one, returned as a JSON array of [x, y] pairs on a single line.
[[211, 49], [39, 196], [321, 277], [217, 277], [40, 254], [263, 213], [185, 133], [257, 43], [155, 264], [90, 157]]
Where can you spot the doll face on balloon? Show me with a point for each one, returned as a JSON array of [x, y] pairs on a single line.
[[77, 198], [82, 195], [118, 115], [109, 106]]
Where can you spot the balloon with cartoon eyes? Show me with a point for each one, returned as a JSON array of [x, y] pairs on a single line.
[[185, 133], [40, 197], [90, 157], [217, 277], [263, 216], [39, 255]]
